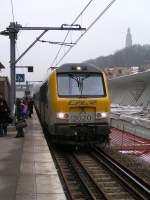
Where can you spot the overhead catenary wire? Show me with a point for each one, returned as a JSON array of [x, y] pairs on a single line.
[[69, 31], [89, 27], [59, 43], [12, 10]]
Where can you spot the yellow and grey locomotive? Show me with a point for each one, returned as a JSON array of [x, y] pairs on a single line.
[[74, 104]]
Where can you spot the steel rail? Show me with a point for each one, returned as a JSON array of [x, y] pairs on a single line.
[[61, 174], [70, 195], [132, 182], [85, 171], [92, 196]]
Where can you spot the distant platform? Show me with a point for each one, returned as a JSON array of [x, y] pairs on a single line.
[[132, 119]]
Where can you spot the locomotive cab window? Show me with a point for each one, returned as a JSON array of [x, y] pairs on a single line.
[[80, 84]]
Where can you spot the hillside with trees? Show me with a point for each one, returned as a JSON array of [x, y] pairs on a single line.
[[135, 55]]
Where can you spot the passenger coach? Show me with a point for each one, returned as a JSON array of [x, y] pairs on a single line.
[[74, 104]]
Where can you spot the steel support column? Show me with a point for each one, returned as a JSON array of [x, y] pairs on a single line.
[[13, 37]]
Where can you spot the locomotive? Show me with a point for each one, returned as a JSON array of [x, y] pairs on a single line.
[[74, 104]]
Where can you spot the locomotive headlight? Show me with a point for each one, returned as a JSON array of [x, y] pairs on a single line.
[[100, 115], [78, 68], [104, 114], [62, 115]]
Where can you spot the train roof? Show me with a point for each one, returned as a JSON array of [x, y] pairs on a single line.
[[73, 67]]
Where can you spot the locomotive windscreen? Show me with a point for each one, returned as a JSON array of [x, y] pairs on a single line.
[[80, 84]]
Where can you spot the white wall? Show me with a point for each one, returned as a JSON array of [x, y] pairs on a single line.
[[131, 90]]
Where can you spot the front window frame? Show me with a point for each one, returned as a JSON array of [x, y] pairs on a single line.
[[83, 96]]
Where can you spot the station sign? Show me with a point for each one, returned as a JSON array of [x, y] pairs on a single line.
[[20, 77], [30, 69]]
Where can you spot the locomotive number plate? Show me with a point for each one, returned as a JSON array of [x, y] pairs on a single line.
[[81, 117]]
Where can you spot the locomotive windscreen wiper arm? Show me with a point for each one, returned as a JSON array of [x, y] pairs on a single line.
[[79, 79]]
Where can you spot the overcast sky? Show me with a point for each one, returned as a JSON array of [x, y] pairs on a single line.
[[104, 38]]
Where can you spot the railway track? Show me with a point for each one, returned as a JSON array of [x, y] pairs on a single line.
[[132, 162], [92, 175], [77, 185], [135, 185]]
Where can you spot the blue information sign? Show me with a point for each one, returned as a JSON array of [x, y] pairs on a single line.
[[20, 77]]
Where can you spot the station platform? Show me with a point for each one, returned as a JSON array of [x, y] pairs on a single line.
[[27, 171], [131, 119]]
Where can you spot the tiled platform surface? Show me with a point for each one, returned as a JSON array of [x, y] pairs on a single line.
[[27, 171]]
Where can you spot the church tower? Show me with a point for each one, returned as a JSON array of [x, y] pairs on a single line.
[[128, 39]]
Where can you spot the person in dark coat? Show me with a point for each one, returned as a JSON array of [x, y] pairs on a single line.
[[30, 107], [4, 114], [19, 116]]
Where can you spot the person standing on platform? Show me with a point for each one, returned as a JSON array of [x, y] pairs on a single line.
[[25, 107], [19, 116], [4, 115], [30, 107]]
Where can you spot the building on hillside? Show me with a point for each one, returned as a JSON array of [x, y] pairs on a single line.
[[144, 68], [120, 71], [128, 42]]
